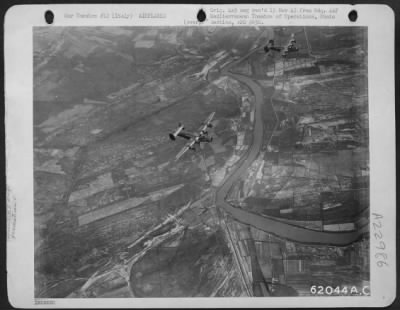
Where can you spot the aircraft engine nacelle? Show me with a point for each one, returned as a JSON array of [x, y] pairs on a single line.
[[210, 125], [174, 134]]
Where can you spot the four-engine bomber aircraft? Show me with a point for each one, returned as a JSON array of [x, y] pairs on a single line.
[[290, 47], [195, 138]]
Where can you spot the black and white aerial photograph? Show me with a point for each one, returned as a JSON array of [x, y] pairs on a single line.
[[197, 161]]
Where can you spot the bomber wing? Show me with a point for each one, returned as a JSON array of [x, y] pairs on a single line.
[[207, 122], [291, 45], [185, 149], [209, 118]]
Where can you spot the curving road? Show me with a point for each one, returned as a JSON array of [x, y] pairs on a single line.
[[269, 224]]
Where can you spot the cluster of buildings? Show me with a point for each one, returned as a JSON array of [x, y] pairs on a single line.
[[290, 266], [335, 132]]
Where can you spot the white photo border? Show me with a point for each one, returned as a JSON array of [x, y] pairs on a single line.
[[18, 25]]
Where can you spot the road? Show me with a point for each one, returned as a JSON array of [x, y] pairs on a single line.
[[269, 224]]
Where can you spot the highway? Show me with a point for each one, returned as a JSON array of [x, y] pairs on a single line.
[[269, 224]]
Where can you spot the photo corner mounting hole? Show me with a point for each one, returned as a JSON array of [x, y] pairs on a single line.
[[49, 17], [353, 15], [201, 16]]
